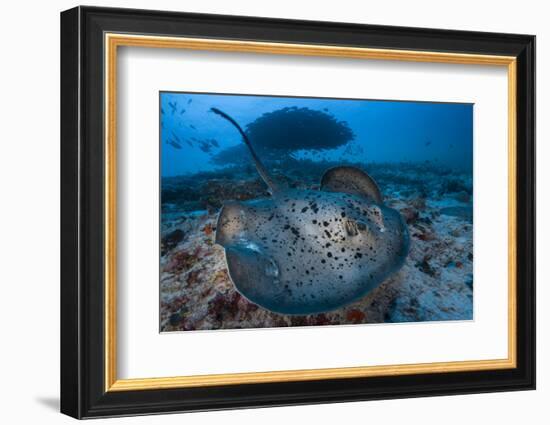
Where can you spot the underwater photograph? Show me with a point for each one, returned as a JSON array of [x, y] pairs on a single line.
[[303, 211]]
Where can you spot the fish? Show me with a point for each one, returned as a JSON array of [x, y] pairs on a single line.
[[192, 126], [173, 105], [205, 146], [182, 111], [176, 137], [301, 252], [189, 101], [208, 145], [174, 144]]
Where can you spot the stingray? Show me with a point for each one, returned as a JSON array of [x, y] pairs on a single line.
[[311, 251]]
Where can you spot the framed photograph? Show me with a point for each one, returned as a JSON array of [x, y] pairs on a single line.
[[261, 212]]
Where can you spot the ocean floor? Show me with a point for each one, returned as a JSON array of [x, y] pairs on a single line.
[[435, 284]]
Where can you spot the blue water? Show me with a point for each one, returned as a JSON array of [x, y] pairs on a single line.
[[384, 131]]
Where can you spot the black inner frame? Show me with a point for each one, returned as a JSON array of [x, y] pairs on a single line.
[[82, 209]]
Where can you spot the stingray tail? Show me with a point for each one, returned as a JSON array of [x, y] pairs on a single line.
[[259, 166]]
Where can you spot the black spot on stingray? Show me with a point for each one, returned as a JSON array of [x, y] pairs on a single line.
[[328, 234], [329, 254], [343, 214], [314, 221], [305, 209], [325, 223], [287, 226]]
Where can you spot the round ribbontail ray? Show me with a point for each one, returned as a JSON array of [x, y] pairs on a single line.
[[311, 251]]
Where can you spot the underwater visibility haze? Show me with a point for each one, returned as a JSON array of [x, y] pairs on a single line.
[[286, 211]]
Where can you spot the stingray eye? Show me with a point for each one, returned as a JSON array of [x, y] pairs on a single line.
[[361, 226], [353, 228]]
